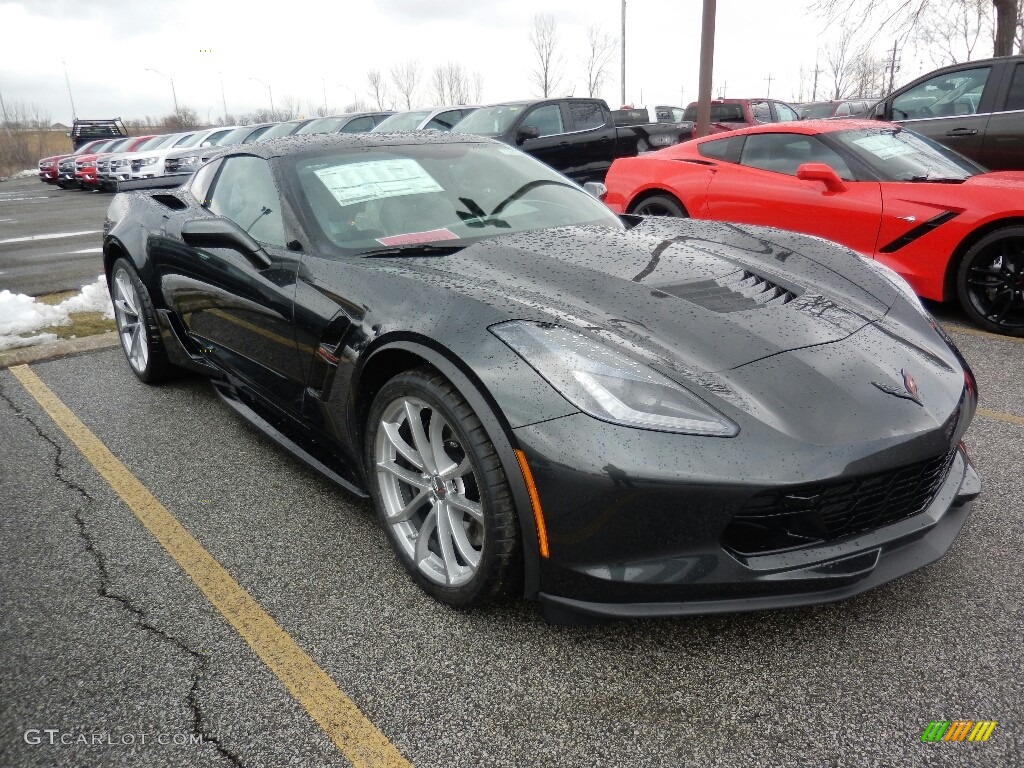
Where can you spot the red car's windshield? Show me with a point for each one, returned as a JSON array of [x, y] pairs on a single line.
[[897, 154]]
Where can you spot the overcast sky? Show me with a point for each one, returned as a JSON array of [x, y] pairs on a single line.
[[312, 49]]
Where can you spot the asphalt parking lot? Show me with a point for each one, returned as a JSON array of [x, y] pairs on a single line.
[[50, 238], [112, 654]]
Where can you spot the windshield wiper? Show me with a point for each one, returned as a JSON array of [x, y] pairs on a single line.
[[937, 179], [477, 216], [412, 249]]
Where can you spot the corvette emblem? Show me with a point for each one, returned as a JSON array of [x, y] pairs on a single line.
[[909, 391], [909, 219]]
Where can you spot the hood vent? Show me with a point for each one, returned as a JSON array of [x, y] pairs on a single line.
[[735, 292]]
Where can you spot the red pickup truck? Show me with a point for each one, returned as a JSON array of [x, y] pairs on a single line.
[[730, 114]]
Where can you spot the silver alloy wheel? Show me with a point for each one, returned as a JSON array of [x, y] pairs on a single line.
[[131, 325], [430, 493]]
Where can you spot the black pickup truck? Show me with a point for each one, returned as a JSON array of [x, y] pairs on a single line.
[[575, 136], [975, 107]]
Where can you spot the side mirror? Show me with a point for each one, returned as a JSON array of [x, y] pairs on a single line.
[[527, 132], [879, 111], [596, 189], [823, 173], [224, 233]]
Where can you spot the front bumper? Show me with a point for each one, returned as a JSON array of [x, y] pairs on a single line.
[[641, 537]]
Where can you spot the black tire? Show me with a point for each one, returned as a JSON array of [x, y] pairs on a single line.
[[137, 327], [660, 205], [494, 538], [990, 281]]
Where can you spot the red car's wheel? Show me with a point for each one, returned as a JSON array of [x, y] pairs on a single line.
[[990, 281], [660, 205]]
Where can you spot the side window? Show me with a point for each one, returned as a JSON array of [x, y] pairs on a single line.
[[954, 93], [1015, 98], [378, 119], [784, 113], [586, 115], [785, 152], [726, 150], [762, 111], [358, 125], [547, 119], [843, 109], [245, 193], [200, 186]]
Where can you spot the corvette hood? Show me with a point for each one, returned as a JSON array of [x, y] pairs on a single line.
[[1012, 180], [690, 295]]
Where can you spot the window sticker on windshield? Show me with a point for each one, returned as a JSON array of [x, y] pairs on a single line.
[[883, 147], [418, 237], [376, 179]]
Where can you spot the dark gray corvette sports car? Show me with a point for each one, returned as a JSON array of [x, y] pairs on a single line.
[[615, 416]]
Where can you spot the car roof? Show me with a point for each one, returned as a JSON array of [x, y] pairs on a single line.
[[806, 127]]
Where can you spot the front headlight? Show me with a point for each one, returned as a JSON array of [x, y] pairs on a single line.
[[188, 160], [147, 160], [898, 283], [608, 385]]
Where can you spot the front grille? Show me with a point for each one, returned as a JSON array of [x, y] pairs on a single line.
[[171, 164], [735, 292], [817, 513]]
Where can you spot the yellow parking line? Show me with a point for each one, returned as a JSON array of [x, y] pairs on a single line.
[[350, 730], [953, 328], [1011, 418]]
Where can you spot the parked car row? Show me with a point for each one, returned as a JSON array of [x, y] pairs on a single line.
[[102, 164]]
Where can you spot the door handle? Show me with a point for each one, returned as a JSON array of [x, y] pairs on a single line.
[[563, 144], [962, 132]]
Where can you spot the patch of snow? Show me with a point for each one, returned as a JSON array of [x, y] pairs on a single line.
[[21, 174], [23, 314]]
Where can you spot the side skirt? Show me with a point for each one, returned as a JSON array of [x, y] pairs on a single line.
[[230, 396]]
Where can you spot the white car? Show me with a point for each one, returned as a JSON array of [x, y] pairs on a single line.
[[150, 163], [118, 167]]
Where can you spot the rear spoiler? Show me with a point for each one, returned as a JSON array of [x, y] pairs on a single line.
[[157, 182]]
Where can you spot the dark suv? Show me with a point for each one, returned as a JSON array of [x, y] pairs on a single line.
[[976, 108]]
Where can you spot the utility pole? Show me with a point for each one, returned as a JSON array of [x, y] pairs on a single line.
[[324, 82], [814, 91], [270, 92], [892, 67], [174, 94], [622, 97], [707, 61], [769, 79]]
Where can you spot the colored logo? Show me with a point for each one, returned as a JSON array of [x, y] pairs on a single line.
[[909, 391], [958, 730]]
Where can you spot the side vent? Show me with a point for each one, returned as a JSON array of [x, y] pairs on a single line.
[[170, 201], [736, 292]]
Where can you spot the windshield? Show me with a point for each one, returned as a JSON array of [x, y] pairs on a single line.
[[404, 121], [897, 154], [490, 121], [93, 147], [449, 194], [323, 125], [190, 140], [117, 145], [233, 136], [279, 130], [149, 143]]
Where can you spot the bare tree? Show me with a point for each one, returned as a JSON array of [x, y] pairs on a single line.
[[378, 89], [880, 15], [952, 33], [1018, 37], [358, 106], [867, 74], [289, 107], [838, 57], [600, 48], [450, 84], [478, 87], [544, 38], [405, 77], [182, 120]]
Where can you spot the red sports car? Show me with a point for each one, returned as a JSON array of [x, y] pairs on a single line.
[[946, 225]]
